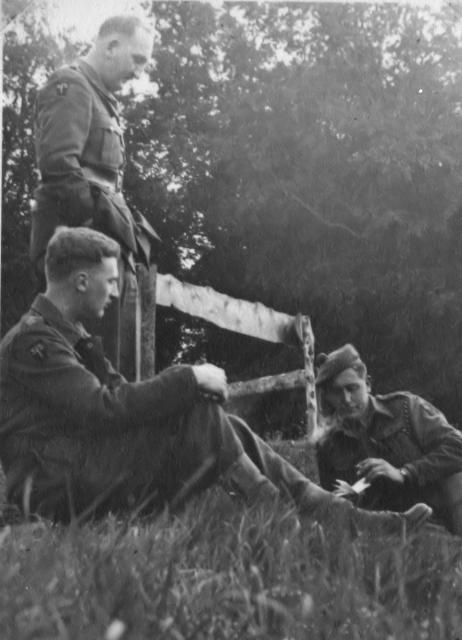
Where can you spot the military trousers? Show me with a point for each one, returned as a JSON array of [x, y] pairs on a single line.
[[143, 470]]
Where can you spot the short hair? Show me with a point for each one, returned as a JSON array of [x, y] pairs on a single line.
[[73, 248], [126, 25]]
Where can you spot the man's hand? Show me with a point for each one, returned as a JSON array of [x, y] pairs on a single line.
[[372, 468], [211, 380]]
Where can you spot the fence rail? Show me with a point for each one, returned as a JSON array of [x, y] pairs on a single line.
[[249, 318]]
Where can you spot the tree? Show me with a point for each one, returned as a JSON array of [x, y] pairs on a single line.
[[306, 156], [30, 54]]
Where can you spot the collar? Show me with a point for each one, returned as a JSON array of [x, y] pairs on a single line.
[[376, 406], [45, 308], [95, 79]]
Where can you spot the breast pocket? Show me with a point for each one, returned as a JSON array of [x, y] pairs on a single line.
[[111, 150], [398, 448], [105, 146], [112, 147]]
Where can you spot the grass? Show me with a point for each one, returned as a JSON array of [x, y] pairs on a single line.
[[222, 571]]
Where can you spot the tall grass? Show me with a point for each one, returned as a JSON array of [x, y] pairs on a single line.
[[222, 571]]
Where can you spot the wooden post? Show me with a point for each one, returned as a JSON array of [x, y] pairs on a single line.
[[147, 284], [306, 335]]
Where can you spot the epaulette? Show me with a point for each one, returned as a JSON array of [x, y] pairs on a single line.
[[394, 395], [66, 73]]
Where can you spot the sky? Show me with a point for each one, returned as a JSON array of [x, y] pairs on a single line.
[[86, 15]]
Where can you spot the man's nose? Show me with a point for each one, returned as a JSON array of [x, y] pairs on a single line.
[[115, 291], [346, 397]]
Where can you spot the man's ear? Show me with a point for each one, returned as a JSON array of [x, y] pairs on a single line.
[[81, 281], [369, 383], [111, 46]]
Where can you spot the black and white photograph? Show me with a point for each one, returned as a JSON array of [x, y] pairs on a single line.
[[231, 320]]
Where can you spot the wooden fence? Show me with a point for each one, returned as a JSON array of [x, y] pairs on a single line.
[[248, 318]]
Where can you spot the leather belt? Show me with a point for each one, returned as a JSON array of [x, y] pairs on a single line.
[[96, 177]]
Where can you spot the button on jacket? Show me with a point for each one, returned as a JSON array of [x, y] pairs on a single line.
[[78, 128], [406, 431]]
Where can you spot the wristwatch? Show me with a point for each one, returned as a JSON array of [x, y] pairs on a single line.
[[406, 474]]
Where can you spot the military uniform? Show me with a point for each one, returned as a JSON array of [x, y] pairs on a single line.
[[81, 157], [410, 434], [76, 438]]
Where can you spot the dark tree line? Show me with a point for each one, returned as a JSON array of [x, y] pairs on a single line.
[[307, 156]]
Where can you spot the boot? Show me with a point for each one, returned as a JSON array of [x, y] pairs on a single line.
[[322, 506], [334, 512], [391, 522], [246, 479]]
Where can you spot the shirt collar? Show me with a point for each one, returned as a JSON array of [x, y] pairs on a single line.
[[45, 308], [379, 407], [94, 77], [375, 406]]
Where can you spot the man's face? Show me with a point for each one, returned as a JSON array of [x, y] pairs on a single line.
[[127, 57], [100, 288], [348, 395]]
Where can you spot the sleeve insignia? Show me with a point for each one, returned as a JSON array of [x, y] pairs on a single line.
[[38, 351], [61, 88]]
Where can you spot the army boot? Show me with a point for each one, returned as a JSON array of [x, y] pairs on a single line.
[[391, 522], [329, 510], [332, 511]]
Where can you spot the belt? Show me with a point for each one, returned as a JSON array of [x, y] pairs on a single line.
[[113, 184]]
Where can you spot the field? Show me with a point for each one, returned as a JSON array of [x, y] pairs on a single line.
[[222, 571]]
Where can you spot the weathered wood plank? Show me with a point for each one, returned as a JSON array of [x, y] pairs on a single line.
[[305, 333], [280, 382], [147, 284], [250, 318]]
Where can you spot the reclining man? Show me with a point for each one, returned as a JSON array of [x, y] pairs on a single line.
[[78, 440], [398, 442]]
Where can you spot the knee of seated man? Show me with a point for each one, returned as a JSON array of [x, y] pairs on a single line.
[[207, 430]]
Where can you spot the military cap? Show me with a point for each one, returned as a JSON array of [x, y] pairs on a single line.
[[330, 365]]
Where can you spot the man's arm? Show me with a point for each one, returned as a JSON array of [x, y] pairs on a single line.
[[441, 447], [441, 444], [63, 119], [53, 375]]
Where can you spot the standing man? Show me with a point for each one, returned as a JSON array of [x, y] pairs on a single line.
[[77, 439], [400, 444], [81, 158]]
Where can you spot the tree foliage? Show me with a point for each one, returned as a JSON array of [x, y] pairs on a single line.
[[29, 55], [307, 156]]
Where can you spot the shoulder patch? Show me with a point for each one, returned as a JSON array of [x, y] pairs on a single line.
[[39, 351], [61, 88]]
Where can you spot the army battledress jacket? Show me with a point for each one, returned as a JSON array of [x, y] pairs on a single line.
[[70, 423], [406, 431], [79, 136]]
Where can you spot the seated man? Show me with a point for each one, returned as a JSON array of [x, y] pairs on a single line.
[[398, 442], [78, 440]]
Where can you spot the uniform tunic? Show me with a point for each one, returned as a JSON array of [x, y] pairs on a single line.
[[83, 438], [81, 157], [77, 439], [408, 432], [77, 127]]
